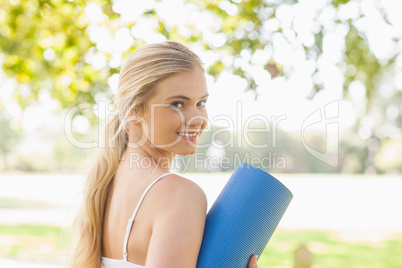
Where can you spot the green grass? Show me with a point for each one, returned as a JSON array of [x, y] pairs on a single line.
[[328, 250], [31, 237], [32, 230]]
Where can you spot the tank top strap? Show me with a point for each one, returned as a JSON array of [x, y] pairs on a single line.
[[131, 220]]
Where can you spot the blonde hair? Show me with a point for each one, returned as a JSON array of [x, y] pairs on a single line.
[[142, 70]]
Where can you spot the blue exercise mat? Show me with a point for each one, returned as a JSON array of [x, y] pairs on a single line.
[[243, 218]]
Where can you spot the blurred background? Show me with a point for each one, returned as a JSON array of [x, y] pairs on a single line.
[[309, 91]]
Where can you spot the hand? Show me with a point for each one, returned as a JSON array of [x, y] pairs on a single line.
[[252, 263]]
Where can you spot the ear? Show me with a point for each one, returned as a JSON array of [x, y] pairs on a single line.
[[134, 118]]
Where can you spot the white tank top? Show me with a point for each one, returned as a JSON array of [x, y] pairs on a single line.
[[113, 263]]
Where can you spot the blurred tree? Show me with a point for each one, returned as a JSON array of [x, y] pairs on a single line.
[[47, 44], [68, 49], [389, 158], [43, 45], [9, 136]]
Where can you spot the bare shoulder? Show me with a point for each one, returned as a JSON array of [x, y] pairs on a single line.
[[179, 223], [176, 189]]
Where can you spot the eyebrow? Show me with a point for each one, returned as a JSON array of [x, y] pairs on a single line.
[[184, 97]]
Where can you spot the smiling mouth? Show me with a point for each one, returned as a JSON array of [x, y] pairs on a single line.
[[188, 135]]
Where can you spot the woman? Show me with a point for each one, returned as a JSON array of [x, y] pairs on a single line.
[[160, 113]]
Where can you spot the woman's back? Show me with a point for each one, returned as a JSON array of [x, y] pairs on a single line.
[[165, 202]]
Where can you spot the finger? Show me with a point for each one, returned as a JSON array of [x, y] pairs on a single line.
[[252, 263]]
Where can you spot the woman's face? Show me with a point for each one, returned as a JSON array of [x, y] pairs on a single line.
[[176, 115]]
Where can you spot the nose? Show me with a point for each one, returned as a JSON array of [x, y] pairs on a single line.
[[196, 118]]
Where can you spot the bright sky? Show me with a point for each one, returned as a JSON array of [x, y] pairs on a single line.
[[277, 97]]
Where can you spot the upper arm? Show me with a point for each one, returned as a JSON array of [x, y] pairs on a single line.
[[178, 228]]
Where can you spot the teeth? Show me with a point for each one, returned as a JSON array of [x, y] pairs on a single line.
[[187, 135]]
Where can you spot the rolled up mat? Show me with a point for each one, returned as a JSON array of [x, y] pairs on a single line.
[[243, 218]]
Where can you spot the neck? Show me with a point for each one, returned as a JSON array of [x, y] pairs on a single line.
[[147, 157]]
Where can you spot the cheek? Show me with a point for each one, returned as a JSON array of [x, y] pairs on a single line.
[[175, 119], [166, 123]]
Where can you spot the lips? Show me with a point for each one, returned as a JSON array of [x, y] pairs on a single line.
[[191, 135]]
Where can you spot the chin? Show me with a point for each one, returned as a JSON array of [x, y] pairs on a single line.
[[189, 151]]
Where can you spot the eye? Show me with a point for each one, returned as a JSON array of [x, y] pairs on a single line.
[[202, 103], [176, 105]]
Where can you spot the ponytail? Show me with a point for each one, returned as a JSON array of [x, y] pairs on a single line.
[[89, 222]]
